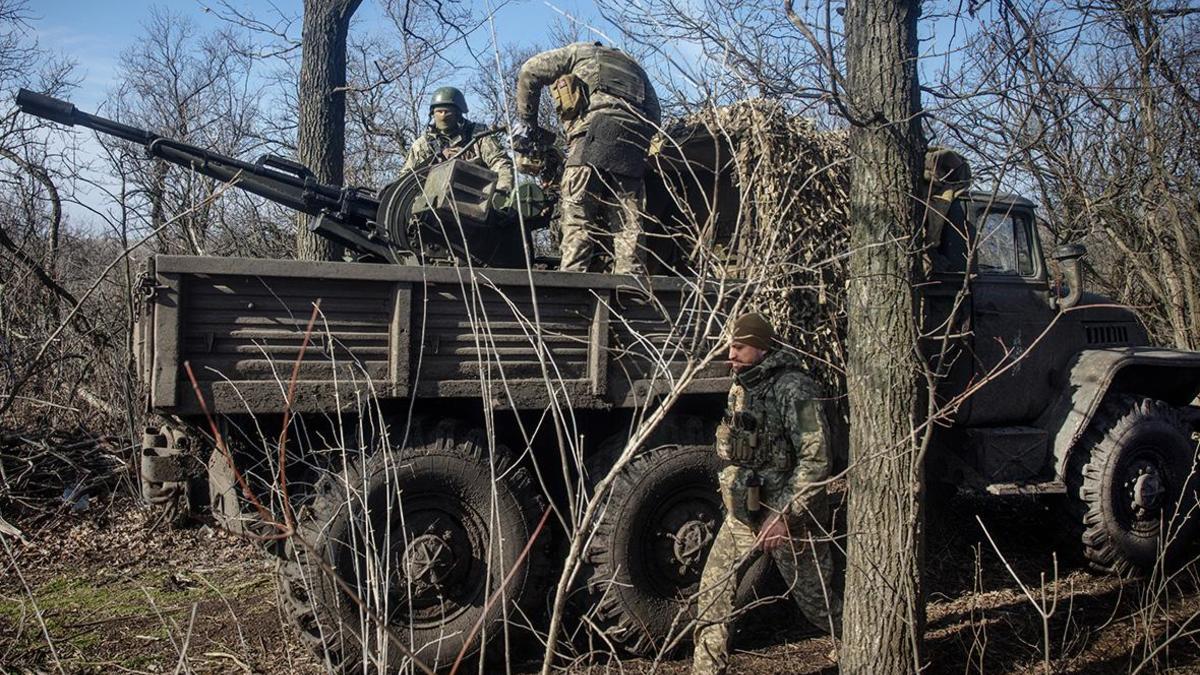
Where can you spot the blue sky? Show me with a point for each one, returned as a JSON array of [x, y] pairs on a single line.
[[95, 32]]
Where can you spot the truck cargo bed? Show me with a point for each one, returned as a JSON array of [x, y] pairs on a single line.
[[395, 332]]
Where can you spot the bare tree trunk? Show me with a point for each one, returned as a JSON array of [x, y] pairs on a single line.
[[885, 606], [321, 137]]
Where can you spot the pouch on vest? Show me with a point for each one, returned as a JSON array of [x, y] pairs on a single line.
[[737, 440], [724, 440], [570, 97]]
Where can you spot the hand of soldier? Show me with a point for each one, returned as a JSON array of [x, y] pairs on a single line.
[[774, 534], [529, 139], [530, 165]]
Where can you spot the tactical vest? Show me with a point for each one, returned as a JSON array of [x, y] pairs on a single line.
[[751, 436], [617, 140], [619, 76]]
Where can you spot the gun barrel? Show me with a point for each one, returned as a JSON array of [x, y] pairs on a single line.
[[63, 112], [347, 214]]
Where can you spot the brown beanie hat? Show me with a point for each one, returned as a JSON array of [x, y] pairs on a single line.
[[753, 329]]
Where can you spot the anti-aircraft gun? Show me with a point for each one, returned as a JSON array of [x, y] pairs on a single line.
[[433, 214]]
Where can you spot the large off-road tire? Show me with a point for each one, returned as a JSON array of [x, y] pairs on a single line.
[[1125, 479], [643, 567], [424, 536]]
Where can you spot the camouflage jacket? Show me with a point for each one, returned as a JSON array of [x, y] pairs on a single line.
[[487, 152], [597, 66], [791, 439]]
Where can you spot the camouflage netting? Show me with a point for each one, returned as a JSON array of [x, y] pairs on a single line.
[[791, 232]]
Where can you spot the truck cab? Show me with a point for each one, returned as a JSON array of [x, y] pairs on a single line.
[[1046, 388]]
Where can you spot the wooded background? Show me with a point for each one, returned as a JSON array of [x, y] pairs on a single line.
[[1090, 109]]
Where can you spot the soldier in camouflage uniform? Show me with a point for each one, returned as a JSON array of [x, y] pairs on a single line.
[[776, 442], [449, 131], [609, 111]]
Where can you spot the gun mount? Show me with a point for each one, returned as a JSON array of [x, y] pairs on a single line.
[[441, 213]]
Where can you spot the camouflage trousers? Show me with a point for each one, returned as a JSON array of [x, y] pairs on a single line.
[[598, 206], [806, 566]]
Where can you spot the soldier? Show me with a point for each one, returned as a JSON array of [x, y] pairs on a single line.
[[609, 112], [775, 440], [449, 132]]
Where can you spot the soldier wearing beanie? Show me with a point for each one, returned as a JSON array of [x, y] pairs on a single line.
[[775, 442]]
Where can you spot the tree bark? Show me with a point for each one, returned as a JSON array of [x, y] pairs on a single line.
[[321, 136], [884, 607]]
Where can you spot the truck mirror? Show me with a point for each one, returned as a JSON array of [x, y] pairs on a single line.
[[1069, 252], [1068, 256]]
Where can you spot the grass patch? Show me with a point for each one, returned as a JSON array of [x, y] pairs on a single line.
[[82, 613]]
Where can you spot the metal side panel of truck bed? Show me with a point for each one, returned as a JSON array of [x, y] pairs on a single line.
[[396, 332]]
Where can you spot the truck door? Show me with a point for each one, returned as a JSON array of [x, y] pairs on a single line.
[[946, 313], [1011, 310]]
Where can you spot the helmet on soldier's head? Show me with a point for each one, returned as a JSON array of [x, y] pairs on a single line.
[[448, 96]]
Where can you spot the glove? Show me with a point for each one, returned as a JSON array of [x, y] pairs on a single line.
[[529, 139], [530, 164], [774, 534]]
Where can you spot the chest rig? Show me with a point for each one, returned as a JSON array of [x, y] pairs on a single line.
[[752, 439], [451, 147], [738, 437], [749, 434]]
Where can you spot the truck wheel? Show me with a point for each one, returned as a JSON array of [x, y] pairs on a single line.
[[1124, 481], [644, 563], [424, 537]]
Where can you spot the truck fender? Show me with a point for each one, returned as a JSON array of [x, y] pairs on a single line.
[[1167, 375]]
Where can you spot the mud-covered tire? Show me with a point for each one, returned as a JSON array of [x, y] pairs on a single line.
[[643, 566], [424, 535], [1125, 479]]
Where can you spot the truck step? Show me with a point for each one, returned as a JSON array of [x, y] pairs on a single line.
[[1053, 487]]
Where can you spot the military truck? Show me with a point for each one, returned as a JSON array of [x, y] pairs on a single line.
[[422, 425]]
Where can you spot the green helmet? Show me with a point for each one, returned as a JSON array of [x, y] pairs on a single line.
[[448, 96]]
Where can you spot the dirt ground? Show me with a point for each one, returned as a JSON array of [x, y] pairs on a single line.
[[102, 592]]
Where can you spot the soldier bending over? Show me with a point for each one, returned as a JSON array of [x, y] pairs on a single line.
[[609, 111], [776, 441]]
